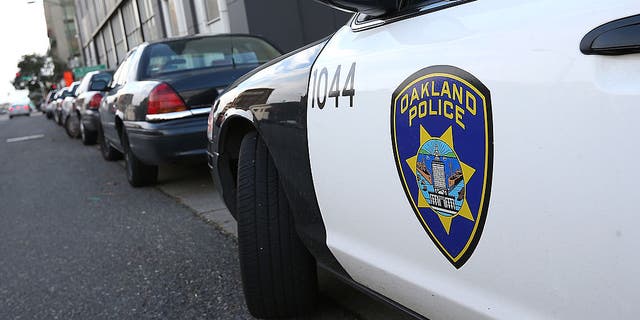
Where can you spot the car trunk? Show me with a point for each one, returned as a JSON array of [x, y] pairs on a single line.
[[199, 88]]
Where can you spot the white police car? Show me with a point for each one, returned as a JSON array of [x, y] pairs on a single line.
[[459, 159]]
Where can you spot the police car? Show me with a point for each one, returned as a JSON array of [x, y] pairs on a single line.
[[458, 159]]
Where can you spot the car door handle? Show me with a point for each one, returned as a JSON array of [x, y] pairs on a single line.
[[614, 38]]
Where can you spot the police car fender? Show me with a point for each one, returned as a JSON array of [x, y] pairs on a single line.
[[436, 181]]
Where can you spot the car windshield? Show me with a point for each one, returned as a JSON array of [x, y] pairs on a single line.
[[207, 52]]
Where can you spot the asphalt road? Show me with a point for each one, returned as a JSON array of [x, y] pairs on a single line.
[[77, 242]]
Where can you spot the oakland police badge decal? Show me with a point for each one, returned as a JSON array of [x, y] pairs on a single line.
[[443, 146]]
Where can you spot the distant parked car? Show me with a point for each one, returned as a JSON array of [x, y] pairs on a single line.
[[19, 109], [51, 104], [82, 112], [155, 110], [66, 106], [45, 102], [56, 105]]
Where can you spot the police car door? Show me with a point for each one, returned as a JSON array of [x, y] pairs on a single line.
[[450, 147]]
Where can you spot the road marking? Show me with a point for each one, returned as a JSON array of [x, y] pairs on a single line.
[[18, 139]]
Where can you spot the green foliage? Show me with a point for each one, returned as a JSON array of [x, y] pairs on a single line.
[[31, 64]]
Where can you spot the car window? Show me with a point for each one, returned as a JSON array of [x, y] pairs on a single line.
[[207, 52], [121, 75], [52, 95], [65, 93], [102, 76], [84, 84], [74, 87]]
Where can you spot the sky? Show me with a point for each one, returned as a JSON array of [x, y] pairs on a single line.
[[23, 30]]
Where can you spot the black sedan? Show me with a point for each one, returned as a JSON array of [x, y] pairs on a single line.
[[155, 109]]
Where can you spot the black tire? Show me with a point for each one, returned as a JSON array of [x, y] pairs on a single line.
[[279, 274], [49, 115], [139, 174], [88, 137], [72, 127], [10, 117], [109, 153]]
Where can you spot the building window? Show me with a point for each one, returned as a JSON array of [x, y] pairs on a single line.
[[213, 12]]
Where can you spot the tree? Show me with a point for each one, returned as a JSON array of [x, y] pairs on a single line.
[[30, 64]]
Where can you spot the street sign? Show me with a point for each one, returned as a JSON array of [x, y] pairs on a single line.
[[81, 71]]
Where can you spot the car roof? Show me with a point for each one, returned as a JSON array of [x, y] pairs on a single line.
[[200, 36]]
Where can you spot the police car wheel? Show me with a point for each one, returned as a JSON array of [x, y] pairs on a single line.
[[88, 137], [278, 273], [108, 152], [71, 127], [139, 174]]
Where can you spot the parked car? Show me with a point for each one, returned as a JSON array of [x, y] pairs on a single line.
[[56, 105], [155, 110], [59, 99], [84, 107], [19, 109], [66, 106], [51, 104], [46, 101], [421, 154]]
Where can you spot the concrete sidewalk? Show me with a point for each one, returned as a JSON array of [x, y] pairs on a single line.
[[193, 187]]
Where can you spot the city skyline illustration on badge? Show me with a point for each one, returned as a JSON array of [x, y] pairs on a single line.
[[441, 178], [441, 133]]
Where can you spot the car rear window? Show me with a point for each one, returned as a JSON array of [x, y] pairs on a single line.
[[208, 52], [103, 76]]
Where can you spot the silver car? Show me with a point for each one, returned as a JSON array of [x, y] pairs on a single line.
[[19, 109]]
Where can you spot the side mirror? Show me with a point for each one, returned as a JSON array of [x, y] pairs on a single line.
[[98, 85], [369, 7]]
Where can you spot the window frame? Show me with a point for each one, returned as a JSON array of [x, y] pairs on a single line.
[[206, 11]]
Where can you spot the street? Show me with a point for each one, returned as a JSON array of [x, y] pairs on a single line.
[[77, 242]]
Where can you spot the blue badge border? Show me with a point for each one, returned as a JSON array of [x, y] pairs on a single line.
[[457, 72]]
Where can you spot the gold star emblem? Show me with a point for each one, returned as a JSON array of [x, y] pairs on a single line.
[[467, 173]]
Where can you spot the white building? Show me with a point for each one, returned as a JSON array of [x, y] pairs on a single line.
[[108, 29]]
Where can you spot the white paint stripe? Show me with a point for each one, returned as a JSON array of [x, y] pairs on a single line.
[[35, 136]]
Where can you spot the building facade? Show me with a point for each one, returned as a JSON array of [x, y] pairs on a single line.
[[108, 29], [61, 30]]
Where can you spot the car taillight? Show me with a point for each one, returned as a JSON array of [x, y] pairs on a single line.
[[10, 108], [94, 103], [26, 107], [164, 99]]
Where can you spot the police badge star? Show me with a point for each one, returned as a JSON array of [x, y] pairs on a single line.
[[443, 147]]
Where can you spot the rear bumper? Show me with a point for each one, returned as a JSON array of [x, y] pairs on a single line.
[[169, 141], [19, 113]]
